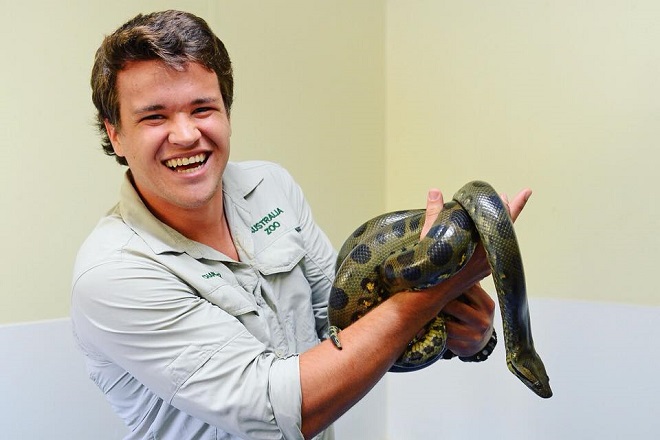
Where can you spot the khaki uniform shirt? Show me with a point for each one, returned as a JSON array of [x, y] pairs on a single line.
[[185, 342]]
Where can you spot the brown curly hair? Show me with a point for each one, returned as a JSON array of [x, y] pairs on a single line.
[[174, 37]]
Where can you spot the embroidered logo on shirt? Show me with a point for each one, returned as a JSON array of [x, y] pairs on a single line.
[[268, 222], [211, 275]]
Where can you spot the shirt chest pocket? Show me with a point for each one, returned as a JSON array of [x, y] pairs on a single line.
[[281, 253]]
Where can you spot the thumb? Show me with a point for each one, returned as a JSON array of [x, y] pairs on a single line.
[[434, 204]]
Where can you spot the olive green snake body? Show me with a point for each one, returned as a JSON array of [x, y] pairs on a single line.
[[385, 255]]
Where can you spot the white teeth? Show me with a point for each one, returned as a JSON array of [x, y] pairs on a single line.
[[173, 163]]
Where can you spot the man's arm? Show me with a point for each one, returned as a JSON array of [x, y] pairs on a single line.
[[334, 380]]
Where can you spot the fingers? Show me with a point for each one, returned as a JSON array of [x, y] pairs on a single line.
[[474, 308], [434, 204], [518, 203], [479, 299], [471, 323], [466, 342]]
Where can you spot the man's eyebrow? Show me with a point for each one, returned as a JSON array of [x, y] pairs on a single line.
[[206, 100], [149, 108], [159, 107]]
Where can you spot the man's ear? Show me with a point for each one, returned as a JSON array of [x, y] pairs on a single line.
[[113, 135]]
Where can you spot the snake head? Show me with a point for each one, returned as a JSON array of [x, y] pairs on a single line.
[[529, 368]]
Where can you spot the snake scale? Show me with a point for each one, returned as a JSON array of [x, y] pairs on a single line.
[[385, 255]]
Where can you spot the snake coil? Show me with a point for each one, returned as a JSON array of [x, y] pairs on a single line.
[[385, 255]]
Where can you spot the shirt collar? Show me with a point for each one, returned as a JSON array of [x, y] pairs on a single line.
[[237, 183]]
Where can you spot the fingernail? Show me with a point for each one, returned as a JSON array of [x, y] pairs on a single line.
[[434, 195]]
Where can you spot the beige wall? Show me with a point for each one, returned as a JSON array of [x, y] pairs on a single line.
[[558, 96], [310, 90]]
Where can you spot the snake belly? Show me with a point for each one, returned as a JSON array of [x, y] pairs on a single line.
[[385, 255]]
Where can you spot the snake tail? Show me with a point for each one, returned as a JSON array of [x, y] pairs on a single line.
[[333, 335]]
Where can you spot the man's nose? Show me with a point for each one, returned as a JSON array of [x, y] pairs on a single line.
[[183, 131]]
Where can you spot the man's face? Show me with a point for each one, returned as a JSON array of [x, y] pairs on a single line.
[[174, 133]]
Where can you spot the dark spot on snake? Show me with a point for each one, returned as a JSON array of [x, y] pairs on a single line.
[[461, 218], [388, 272], [361, 254], [359, 231], [415, 222], [504, 229], [411, 273], [381, 238], [338, 299], [405, 258], [430, 282], [437, 231], [494, 200], [356, 316], [440, 253], [399, 228], [364, 284], [479, 184]]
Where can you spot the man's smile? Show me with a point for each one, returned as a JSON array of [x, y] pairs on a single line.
[[187, 164]]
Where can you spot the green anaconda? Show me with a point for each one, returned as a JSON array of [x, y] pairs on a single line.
[[386, 255]]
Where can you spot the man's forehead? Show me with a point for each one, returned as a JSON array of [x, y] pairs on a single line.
[[149, 85], [161, 70]]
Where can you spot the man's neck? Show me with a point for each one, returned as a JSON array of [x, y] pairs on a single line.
[[211, 229], [206, 224]]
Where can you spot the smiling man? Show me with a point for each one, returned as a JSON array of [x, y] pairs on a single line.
[[200, 300], [174, 135]]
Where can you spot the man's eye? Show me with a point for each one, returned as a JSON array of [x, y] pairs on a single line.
[[151, 118], [202, 110]]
